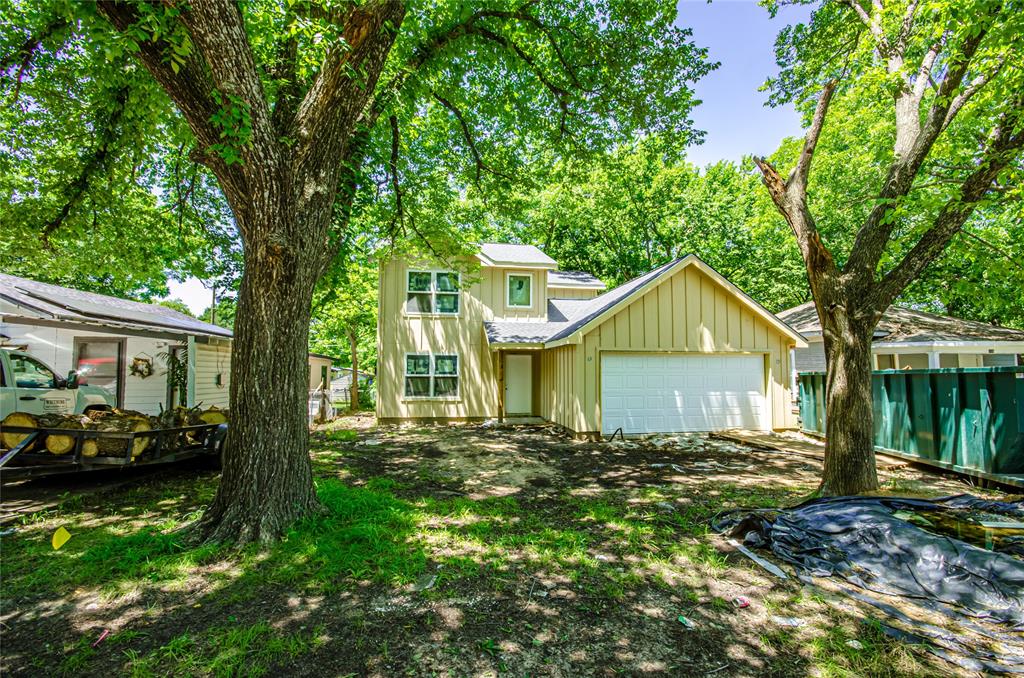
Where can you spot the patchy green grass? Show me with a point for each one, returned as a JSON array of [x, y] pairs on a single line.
[[362, 537], [615, 558], [223, 651]]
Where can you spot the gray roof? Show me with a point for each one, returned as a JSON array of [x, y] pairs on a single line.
[[591, 308], [573, 279], [507, 254], [511, 332], [561, 314], [53, 302], [905, 325]]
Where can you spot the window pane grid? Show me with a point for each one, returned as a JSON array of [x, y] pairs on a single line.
[[432, 292], [431, 376]]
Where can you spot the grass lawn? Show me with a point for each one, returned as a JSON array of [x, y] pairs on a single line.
[[444, 551]]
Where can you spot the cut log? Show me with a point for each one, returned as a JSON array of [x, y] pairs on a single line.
[[21, 419], [114, 447], [214, 415], [62, 444]]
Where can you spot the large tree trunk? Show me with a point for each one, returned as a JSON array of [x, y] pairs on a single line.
[[267, 479], [849, 429], [354, 388]]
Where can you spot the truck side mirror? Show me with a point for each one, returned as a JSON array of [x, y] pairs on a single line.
[[71, 381]]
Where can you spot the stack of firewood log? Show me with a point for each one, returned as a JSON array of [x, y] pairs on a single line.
[[104, 421]]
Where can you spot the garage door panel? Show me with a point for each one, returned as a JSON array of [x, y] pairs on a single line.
[[677, 393]]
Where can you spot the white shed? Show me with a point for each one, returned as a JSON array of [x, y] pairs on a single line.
[[127, 347]]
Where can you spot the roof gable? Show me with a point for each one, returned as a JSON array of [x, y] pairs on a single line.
[[598, 309]]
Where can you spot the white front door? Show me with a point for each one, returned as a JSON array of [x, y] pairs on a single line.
[[518, 384], [666, 393]]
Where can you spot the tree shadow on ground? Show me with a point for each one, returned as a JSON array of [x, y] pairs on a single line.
[[585, 575]]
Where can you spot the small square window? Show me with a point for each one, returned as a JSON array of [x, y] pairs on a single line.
[[519, 291], [447, 282], [447, 303], [417, 364], [419, 281]]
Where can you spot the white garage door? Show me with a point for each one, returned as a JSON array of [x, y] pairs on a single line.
[[665, 393]]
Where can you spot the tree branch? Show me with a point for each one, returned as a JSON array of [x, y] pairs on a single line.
[[798, 178], [1005, 144], [339, 93], [468, 136], [189, 87], [873, 236], [976, 84], [995, 248], [22, 57]]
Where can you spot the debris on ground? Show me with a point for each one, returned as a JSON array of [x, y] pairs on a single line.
[[790, 622], [958, 557]]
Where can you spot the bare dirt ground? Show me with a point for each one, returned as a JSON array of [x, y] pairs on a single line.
[[461, 550]]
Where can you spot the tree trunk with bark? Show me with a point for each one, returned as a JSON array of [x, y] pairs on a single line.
[[849, 427], [354, 388], [267, 480]]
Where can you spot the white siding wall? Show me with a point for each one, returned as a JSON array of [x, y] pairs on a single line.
[[55, 347], [211, 360]]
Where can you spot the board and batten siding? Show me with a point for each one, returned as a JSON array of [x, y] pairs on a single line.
[[483, 297], [558, 401], [571, 293], [211, 360], [688, 312]]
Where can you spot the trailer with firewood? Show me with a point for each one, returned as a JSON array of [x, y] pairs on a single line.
[[35, 445]]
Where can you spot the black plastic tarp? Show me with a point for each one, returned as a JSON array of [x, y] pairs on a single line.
[[884, 544], [918, 551]]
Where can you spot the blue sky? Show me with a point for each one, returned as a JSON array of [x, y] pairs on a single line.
[[740, 35]]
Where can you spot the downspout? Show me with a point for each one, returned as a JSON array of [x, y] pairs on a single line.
[[190, 398]]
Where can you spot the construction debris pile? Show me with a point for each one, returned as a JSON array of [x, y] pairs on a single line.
[[925, 564], [105, 422]]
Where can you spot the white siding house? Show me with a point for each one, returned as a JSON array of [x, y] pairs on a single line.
[[121, 345]]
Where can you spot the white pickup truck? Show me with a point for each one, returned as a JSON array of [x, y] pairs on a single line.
[[27, 384]]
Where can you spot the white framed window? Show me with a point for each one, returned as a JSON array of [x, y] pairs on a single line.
[[429, 292], [519, 288], [431, 375]]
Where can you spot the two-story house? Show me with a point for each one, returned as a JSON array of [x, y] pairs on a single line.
[[506, 334]]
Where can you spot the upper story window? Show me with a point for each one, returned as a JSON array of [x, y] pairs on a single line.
[[432, 292], [520, 290]]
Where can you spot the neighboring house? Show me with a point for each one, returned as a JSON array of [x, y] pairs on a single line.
[[120, 345], [342, 384], [319, 371], [909, 339], [677, 349]]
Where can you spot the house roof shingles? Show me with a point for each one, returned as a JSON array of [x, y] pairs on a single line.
[[906, 325], [510, 255], [573, 279], [44, 300]]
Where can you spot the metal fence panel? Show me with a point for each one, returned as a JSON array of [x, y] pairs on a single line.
[[971, 418]]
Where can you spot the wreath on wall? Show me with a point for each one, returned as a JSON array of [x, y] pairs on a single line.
[[141, 366]]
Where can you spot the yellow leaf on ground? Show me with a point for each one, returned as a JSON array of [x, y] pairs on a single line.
[[60, 537]]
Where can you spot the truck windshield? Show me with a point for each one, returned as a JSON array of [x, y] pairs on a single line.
[[30, 373]]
